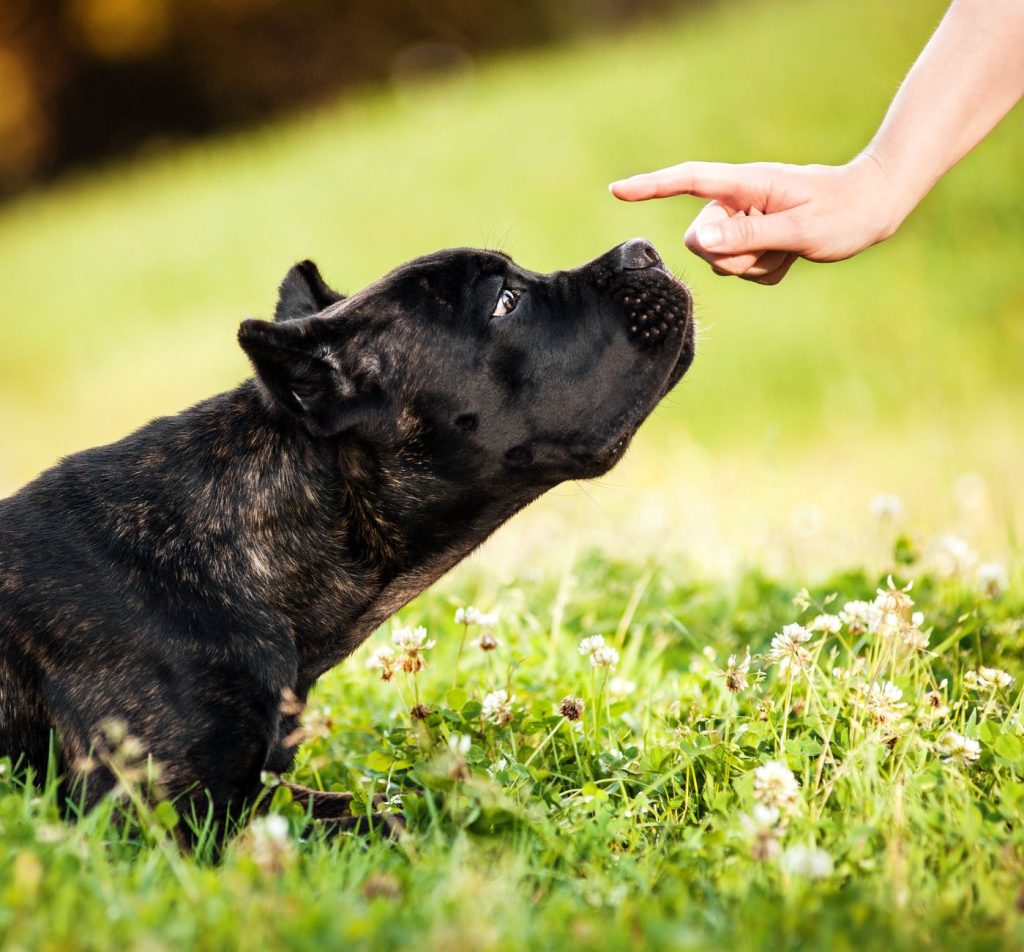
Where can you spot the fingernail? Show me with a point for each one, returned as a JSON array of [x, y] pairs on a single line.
[[709, 236], [611, 188]]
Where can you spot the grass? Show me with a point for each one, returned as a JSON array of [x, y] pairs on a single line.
[[896, 371], [647, 823]]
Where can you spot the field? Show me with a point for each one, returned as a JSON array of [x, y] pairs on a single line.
[[645, 823]]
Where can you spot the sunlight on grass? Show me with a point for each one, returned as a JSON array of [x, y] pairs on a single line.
[[617, 757], [897, 370]]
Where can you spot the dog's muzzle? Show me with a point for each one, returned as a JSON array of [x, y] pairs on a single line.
[[657, 306]]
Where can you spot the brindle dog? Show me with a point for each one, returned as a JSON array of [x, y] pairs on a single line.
[[192, 581]]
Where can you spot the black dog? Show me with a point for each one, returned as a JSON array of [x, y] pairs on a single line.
[[192, 581]]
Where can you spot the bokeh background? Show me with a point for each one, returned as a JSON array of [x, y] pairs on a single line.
[[163, 162]]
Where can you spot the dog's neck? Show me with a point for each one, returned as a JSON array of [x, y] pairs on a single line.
[[331, 538]]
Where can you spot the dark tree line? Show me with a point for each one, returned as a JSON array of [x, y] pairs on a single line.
[[86, 80]]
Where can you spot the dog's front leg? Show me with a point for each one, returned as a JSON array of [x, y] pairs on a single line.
[[335, 811], [321, 804]]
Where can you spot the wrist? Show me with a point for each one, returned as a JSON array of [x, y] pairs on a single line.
[[894, 193]]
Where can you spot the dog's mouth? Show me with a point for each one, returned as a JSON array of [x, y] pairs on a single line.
[[659, 309], [657, 305], [656, 311], [662, 325]]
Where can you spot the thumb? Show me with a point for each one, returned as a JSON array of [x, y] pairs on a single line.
[[780, 231]]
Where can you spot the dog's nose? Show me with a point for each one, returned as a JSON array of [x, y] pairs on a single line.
[[637, 254]]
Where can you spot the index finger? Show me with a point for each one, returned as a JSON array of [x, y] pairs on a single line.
[[739, 186]]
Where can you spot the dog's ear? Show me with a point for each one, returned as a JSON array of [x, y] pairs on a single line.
[[302, 371], [304, 293]]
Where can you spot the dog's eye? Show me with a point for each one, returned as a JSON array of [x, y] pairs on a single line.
[[507, 301]]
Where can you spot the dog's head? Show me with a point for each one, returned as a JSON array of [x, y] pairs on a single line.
[[477, 370]]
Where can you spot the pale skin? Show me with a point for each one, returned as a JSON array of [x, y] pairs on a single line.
[[764, 216]]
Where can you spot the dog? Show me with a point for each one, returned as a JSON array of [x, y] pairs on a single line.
[[191, 582]]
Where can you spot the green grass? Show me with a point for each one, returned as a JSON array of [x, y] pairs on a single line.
[[897, 371], [631, 828], [900, 369]]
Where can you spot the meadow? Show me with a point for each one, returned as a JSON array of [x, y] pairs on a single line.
[[857, 784]]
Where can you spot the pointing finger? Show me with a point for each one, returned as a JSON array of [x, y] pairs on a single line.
[[739, 186]]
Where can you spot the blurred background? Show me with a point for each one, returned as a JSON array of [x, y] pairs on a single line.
[[163, 162], [89, 80]]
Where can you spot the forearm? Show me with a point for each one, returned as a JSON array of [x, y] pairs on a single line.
[[965, 80]]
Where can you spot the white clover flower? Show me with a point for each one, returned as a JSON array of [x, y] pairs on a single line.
[[886, 507], [411, 642], [764, 825], [861, 617], [275, 826], [764, 815], [957, 747], [775, 786], [497, 707], [383, 660], [411, 639], [620, 687], [890, 625], [893, 601], [881, 701], [467, 616], [571, 707], [455, 761], [1009, 627], [788, 651], [802, 600], [735, 673], [987, 679], [993, 579], [50, 833], [270, 844], [829, 624], [807, 861], [605, 657], [488, 641], [589, 645], [487, 619], [935, 702], [914, 638], [953, 556]]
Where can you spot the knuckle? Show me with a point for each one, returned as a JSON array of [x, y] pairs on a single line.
[[744, 230], [800, 232]]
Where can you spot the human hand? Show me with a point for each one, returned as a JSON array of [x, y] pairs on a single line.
[[764, 215]]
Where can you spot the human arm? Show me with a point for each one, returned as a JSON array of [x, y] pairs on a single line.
[[763, 216]]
